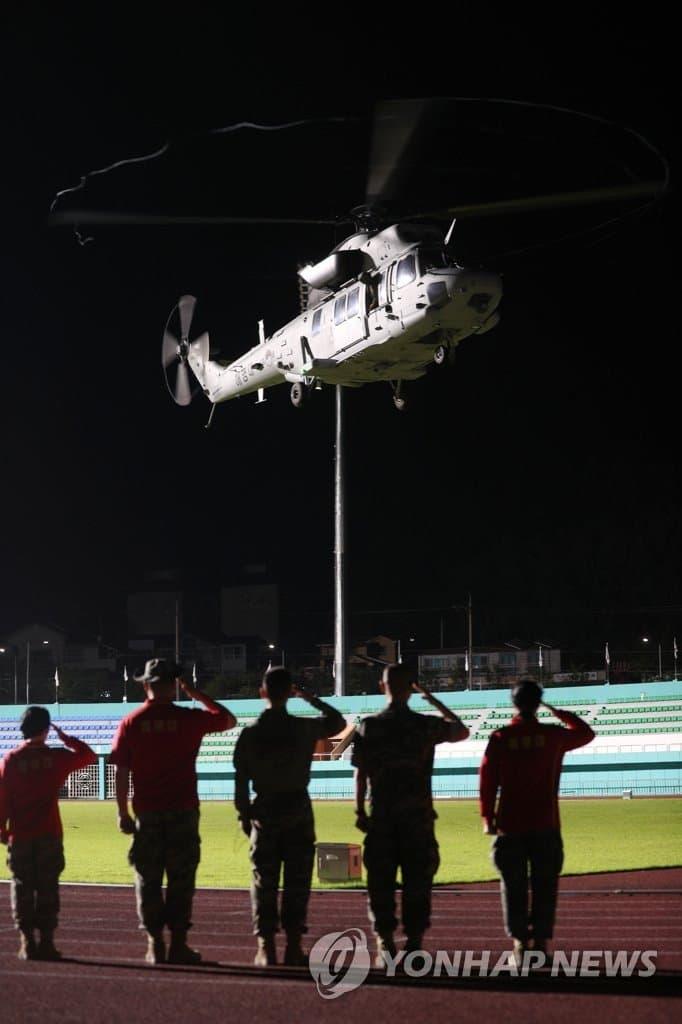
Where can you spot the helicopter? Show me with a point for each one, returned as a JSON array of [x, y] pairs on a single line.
[[382, 306], [390, 299]]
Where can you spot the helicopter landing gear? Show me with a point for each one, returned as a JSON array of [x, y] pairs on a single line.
[[298, 395], [440, 355], [398, 400]]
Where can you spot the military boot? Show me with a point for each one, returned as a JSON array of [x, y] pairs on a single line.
[[46, 947], [156, 948], [385, 947], [179, 952], [294, 955], [267, 953], [516, 955], [27, 947]]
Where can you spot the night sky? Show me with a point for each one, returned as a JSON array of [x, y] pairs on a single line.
[[540, 473]]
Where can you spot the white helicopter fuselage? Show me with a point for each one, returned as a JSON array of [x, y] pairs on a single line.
[[383, 324]]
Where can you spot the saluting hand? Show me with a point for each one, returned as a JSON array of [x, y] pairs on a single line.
[[299, 690]]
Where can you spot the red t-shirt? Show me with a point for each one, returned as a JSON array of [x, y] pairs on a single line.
[[523, 761], [159, 744], [31, 776]]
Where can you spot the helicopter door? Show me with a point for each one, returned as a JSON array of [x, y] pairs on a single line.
[[404, 278], [348, 322], [378, 305]]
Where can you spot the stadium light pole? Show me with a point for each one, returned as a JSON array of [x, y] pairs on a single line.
[[339, 554]]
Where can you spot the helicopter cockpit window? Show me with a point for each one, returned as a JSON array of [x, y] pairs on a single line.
[[340, 310], [317, 322], [353, 304], [407, 271], [432, 259]]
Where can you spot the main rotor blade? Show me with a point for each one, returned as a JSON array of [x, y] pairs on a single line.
[[109, 218], [186, 310], [558, 200], [395, 126], [183, 392], [169, 349]]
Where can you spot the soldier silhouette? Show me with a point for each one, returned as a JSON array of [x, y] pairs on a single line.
[[158, 745], [393, 751], [519, 786], [274, 756], [31, 776]]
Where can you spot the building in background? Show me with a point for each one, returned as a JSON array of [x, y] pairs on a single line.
[[490, 666]]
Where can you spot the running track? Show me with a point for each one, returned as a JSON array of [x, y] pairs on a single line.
[[102, 978]]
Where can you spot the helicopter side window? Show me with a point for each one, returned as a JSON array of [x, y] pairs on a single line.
[[317, 322], [407, 271], [353, 303], [340, 310]]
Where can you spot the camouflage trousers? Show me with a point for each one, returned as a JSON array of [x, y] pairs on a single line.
[[535, 858], [408, 844], [165, 843], [282, 842], [36, 865]]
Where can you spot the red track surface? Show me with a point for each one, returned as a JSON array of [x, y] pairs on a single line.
[[103, 978]]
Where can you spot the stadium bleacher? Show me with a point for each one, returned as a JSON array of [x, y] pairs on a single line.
[[629, 721]]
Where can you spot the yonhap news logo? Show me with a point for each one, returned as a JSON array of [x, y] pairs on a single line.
[[339, 962]]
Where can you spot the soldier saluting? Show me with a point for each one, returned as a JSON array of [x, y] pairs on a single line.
[[158, 745], [393, 751], [274, 755]]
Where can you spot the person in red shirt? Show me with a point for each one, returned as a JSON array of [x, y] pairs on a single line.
[[31, 776], [158, 745], [519, 787]]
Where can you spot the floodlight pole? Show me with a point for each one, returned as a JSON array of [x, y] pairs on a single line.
[[339, 553]]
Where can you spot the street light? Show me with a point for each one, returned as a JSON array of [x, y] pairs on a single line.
[[645, 640], [274, 647]]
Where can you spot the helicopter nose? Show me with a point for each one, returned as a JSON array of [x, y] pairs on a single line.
[[480, 290]]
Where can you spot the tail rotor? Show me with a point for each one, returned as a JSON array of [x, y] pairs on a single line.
[[175, 350]]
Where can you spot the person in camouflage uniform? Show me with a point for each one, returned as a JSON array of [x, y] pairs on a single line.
[[393, 752], [30, 779], [158, 745], [274, 755]]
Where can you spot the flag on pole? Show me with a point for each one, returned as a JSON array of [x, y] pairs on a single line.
[[466, 661], [56, 678], [125, 684], [675, 647], [125, 673], [607, 656], [194, 673], [540, 657]]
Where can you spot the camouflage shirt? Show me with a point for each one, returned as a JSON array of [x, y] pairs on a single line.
[[274, 753], [395, 750]]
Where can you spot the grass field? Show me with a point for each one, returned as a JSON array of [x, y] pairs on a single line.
[[599, 835]]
